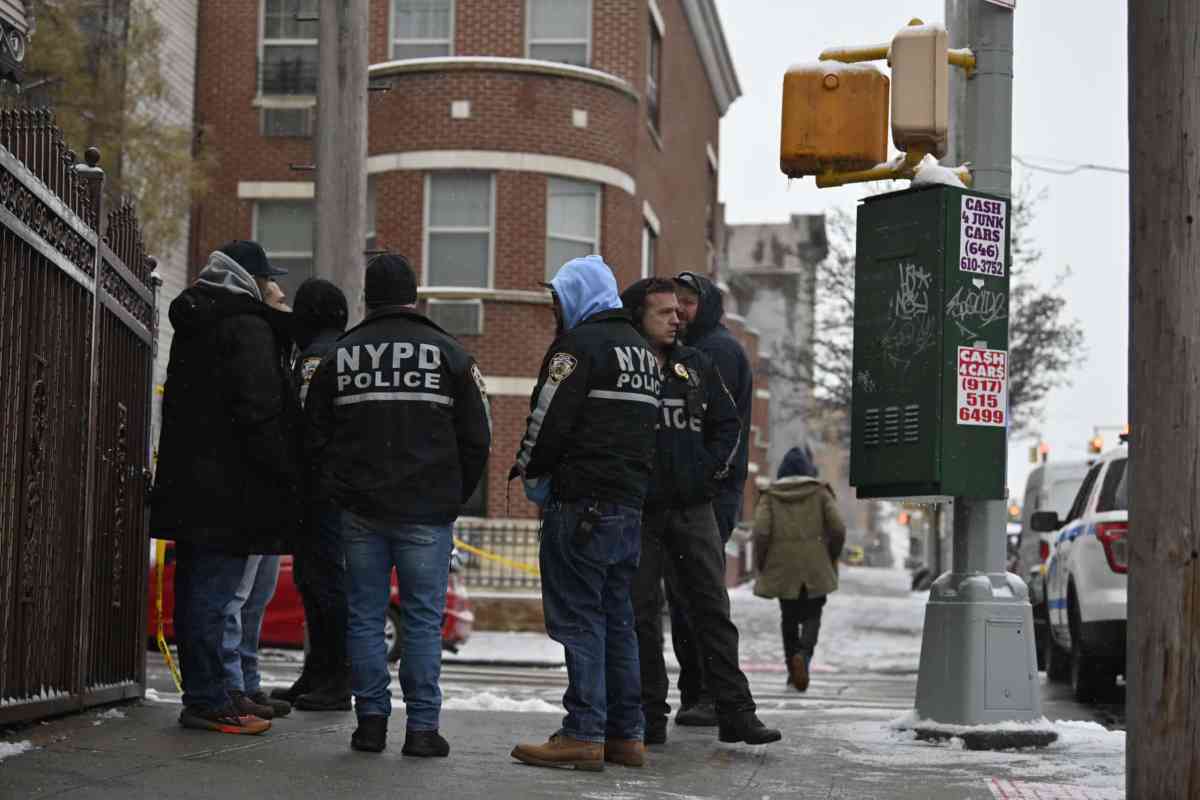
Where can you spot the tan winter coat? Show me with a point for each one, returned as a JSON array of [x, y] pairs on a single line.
[[798, 536]]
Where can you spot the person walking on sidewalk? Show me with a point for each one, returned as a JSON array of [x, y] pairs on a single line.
[[698, 433], [700, 311], [585, 460], [227, 478], [319, 566], [398, 433], [798, 536]]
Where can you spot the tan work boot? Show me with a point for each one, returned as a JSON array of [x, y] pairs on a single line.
[[799, 670], [626, 752], [563, 752]]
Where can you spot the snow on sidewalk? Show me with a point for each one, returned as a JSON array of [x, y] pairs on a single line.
[[14, 748]]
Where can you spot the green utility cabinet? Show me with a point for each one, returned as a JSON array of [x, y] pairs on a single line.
[[929, 415]]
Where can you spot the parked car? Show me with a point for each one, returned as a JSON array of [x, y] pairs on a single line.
[[1086, 580], [283, 622], [1050, 487]]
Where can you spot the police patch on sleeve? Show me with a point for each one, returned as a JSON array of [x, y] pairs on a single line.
[[309, 368], [478, 376], [681, 371], [561, 367]]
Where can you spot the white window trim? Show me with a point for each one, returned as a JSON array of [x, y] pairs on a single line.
[[651, 218], [649, 239], [657, 16], [393, 41], [262, 43], [490, 231], [529, 40], [712, 157], [474, 301], [566, 237]]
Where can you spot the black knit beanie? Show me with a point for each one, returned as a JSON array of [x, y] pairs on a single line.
[[390, 281]]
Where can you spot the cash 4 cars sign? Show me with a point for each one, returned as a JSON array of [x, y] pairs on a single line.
[[982, 386]]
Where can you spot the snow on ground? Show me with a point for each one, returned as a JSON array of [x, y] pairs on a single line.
[[509, 646], [155, 696], [486, 701], [14, 748], [871, 624]]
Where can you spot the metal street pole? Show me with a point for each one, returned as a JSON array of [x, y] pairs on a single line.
[[341, 187], [978, 663]]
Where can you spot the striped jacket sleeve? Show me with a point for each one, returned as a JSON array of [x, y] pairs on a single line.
[[554, 408]]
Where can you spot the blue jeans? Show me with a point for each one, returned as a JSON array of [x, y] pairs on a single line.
[[205, 581], [421, 556], [586, 596], [243, 623]]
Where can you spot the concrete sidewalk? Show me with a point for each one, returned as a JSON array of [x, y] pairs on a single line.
[[826, 753]]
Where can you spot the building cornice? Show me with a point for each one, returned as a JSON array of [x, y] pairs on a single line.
[[706, 27], [553, 69]]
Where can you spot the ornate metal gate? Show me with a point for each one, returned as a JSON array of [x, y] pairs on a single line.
[[77, 333]]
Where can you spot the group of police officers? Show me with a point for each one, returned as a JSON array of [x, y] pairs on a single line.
[[634, 451]]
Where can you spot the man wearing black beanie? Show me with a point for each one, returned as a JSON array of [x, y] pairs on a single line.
[[398, 436]]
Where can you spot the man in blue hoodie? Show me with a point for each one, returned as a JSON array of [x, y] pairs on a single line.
[[585, 459], [700, 310]]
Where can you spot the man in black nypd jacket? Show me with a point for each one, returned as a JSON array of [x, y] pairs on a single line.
[[585, 459], [698, 432], [399, 431]]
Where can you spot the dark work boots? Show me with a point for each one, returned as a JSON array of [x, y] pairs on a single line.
[[745, 726], [371, 735]]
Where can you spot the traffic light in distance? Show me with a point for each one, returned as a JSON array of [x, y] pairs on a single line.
[[1044, 451], [904, 518], [1096, 444], [1014, 512]]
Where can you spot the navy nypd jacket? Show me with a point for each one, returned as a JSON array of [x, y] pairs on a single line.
[[398, 421]]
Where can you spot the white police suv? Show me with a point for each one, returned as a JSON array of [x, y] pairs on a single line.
[[1086, 580]]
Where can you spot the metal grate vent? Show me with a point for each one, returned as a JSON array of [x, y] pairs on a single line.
[[912, 424], [458, 317], [891, 425], [871, 427]]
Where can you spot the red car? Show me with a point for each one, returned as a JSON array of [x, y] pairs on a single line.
[[283, 622]]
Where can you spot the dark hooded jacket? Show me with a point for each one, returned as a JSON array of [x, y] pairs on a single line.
[[698, 429], [707, 334], [591, 426], [227, 467], [398, 421]]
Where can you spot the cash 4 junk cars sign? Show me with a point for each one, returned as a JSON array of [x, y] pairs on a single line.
[[981, 243]]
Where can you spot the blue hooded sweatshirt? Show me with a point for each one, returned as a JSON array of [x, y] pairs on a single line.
[[585, 287]]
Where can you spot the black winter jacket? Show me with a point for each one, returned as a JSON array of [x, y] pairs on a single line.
[[698, 433], [398, 421], [707, 334], [591, 426], [309, 358], [228, 466]]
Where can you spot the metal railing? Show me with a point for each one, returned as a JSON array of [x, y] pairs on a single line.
[[509, 556]]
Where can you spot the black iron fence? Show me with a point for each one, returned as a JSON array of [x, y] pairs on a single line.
[[501, 554], [77, 332]]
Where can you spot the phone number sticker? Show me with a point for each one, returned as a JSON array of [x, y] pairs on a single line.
[[981, 243], [982, 387]]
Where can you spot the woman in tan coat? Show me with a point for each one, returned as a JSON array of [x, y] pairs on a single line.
[[798, 536]]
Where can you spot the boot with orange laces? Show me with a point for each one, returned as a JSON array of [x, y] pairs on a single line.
[[222, 720]]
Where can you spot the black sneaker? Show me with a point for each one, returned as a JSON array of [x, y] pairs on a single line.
[[745, 726], [371, 734], [281, 707], [698, 715], [222, 720], [425, 744], [244, 704], [656, 731], [306, 683], [333, 696]]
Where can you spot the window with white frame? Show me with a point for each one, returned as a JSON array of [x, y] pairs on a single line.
[[422, 28], [560, 30], [572, 222], [459, 223], [288, 64], [649, 250], [654, 74], [284, 228]]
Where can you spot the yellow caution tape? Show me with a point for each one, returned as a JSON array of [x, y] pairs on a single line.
[[484, 554], [161, 561]]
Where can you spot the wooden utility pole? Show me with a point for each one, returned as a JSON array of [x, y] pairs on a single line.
[[1163, 657], [341, 191]]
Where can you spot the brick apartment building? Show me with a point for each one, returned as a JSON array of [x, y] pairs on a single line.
[[514, 135]]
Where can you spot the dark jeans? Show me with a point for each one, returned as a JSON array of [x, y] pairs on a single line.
[[686, 544], [801, 623], [206, 579], [586, 599], [421, 556], [319, 568], [693, 681]]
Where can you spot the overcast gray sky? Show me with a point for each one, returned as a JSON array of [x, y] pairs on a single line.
[[1069, 105]]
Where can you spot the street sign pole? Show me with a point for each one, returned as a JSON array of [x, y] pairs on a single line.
[[978, 662]]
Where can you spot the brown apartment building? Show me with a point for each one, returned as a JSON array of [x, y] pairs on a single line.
[[514, 135]]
